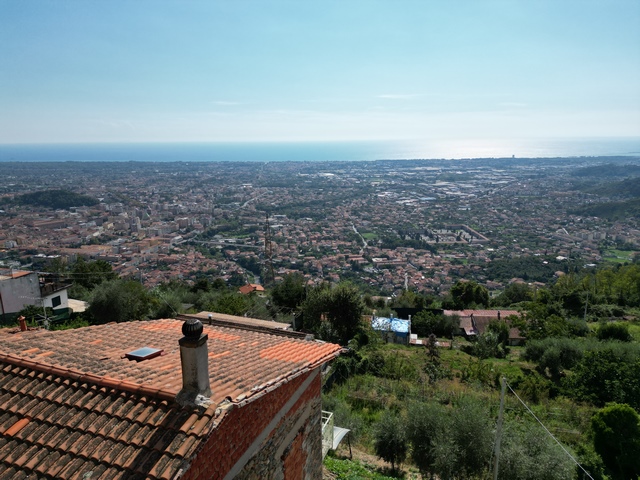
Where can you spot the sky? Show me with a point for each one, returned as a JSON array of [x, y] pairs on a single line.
[[321, 70]]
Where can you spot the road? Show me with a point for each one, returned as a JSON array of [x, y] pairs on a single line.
[[364, 242]]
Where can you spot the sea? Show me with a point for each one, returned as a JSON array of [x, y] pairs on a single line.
[[321, 151]]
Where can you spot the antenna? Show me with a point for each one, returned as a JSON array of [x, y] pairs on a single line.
[[268, 251]]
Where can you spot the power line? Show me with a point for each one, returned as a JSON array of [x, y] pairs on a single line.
[[548, 432]]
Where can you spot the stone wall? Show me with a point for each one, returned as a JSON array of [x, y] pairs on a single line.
[[276, 436]]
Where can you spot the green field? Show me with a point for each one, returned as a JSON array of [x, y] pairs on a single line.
[[619, 256]]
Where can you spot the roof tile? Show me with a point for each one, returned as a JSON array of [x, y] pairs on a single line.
[[83, 408]]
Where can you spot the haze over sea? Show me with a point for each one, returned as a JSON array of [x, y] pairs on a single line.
[[320, 151]]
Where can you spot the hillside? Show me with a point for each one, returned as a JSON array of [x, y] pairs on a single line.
[[609, 170], [612, 210], [625, 188]]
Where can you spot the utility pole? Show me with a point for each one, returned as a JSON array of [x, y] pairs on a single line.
[[496, 455], [268, 252]]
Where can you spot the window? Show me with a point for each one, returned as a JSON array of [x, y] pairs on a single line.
[[55, 301]]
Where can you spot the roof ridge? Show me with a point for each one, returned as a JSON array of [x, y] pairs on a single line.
[[243, 326], [101, 381]]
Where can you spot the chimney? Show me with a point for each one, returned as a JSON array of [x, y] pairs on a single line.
[[498, 315], [23, 323], [194, 358]]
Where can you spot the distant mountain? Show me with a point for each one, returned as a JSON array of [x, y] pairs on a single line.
[[609, 170], [55, 199]]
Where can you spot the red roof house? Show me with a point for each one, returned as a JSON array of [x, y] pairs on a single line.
[[475, 322], [251, 288], [162, 399]]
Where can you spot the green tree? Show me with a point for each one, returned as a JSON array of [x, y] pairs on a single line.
[[607, 375], [167, 304], [424, 323], [202, 285], [461, 447], [488, 345], [290, 292], [89, 274], [501, 329], [424, 420], [334, 313], [119, 301], [616, 437], [409, 299], [513, 294], [468, 295], [229, 303], [390, 440], [472, 434], [528, 454]]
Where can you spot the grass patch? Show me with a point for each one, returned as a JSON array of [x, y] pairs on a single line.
[[619, 256], [634, 330], [353, 470]]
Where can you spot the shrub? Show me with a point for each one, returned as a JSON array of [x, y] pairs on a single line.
[[391, 439], [614, 331]]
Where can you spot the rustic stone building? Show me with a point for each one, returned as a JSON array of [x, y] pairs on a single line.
[[130, 401]]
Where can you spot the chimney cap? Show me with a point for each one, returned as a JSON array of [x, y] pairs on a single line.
[[192, 328]]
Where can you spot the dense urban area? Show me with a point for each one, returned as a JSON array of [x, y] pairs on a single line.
[[386, 226], [516, 277]]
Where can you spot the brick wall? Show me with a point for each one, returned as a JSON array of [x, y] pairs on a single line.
[[288, 449]]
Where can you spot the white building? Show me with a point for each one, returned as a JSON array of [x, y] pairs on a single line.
[[20, 288]]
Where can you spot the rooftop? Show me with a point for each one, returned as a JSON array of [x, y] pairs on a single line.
[[9, 274], [73, 406], [390, 324]]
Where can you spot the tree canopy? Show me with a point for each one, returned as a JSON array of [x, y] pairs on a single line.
[[56, 199], [119, 301], [334, 313], [616, 437], [469, 295]]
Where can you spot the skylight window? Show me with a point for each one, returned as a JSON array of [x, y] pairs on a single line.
[[144, 353]]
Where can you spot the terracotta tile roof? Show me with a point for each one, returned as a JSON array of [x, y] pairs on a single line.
[[72, 406], [251, 287], [11, 274], [55, 427]]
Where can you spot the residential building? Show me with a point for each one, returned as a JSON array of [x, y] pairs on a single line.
[[21, 288], [393, 330], [162, 399], [475, 322], [250, 288]]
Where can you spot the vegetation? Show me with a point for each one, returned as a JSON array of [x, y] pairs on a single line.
[[530, 269], [432, 408], [352, 470], [616, 437], [468, 295], [55, 199], [391, 439], [334, 313], [119, 301], [612, 210]]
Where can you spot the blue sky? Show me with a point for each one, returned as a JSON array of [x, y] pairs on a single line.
[[256, 70]]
